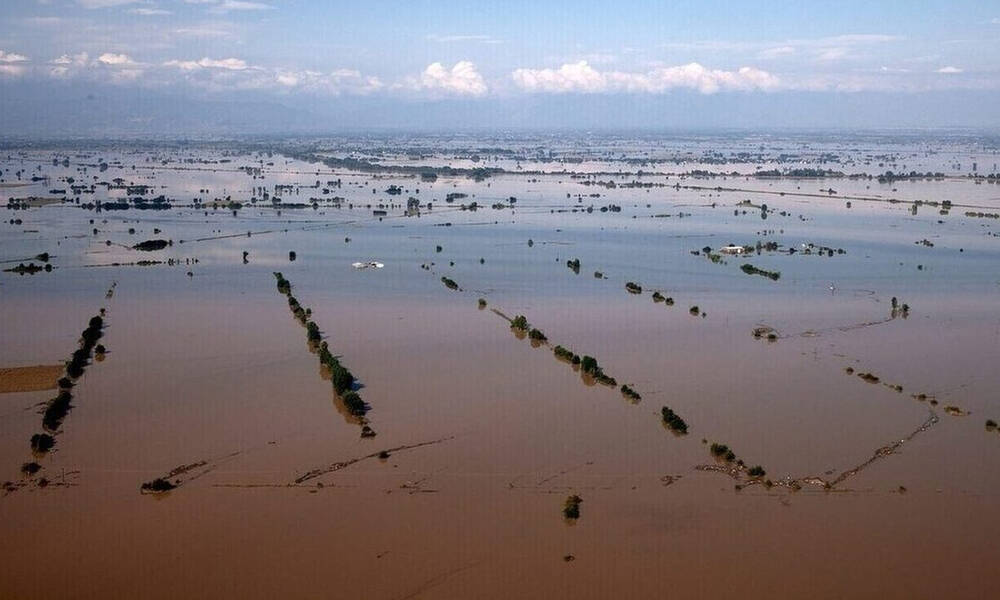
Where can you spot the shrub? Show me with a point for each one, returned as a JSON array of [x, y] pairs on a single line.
[[57, 410], [673, 420], [571, 508], [537, 335], [519, 322], [482, 303], [30, 468], [722, 451], [658, 297], [630, 393], [283, 285], [563, 353], [757, 471], [752, 270], [157, 486], [355, 405], [574, 265], [42, 442], [449, 283], [868, 377], [633, 288]]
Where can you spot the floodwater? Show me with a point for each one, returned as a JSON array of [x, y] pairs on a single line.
[[207, 368]]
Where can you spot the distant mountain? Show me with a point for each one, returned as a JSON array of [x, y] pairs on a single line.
[[54, 109], [77, 110]]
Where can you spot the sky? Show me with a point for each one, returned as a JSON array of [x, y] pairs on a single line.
[[565, 64]]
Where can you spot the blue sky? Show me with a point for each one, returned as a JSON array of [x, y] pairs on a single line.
[[300, 50]]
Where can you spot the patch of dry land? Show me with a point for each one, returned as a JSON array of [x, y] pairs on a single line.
[[29, 379]]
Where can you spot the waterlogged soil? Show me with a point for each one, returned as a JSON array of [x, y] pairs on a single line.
[[481, 436]]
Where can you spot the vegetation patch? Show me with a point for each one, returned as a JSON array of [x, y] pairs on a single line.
[[673, 420], [156, 486], [341, 377], [630, 393], [571, 507], [752, 270], [42, 442]]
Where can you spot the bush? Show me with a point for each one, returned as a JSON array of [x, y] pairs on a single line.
[[633, 288], [571, 508], [673, 420], [563, 353], [757, 471], [157, 486], [520, 322], [57, 410], [574, 265], [722, 451], [343, 379], [42, 442], [449, 283], [283, 285], [537, 335], [355, 405], [752, 270], [630, 393]]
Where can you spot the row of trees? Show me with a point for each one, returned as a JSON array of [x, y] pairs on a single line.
[[342, 378]]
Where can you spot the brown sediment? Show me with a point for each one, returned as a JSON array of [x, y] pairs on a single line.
[[346, 463], [29, 379], [178, 476], [843, 328], [737, 471]]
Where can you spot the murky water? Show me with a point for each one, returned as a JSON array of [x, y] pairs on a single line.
[[206, 366]]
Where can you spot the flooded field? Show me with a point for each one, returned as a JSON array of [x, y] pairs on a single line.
[[535, 366]]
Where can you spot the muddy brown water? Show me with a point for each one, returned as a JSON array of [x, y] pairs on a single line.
[[213, 367]]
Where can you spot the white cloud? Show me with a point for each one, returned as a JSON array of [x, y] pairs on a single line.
[[581, 77], [206, 31], [482, 39], [776, 52], [228, 5], [11, 57], [950, 70], [337, 82], [232, 64], [149, 12], [462, 79], [104, 3], [832, 54], [115, 59], [71, 59], [12, 70]]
